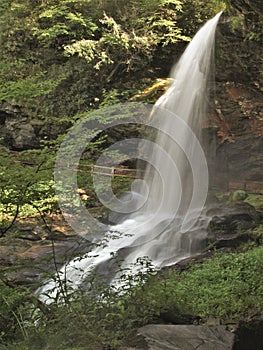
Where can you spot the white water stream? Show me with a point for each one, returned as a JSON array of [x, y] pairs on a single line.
[[172, 223]]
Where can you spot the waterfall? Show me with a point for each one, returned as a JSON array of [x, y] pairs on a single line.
[[171, 224]]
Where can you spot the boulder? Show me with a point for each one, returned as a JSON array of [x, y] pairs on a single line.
[[32, 252], [187, 337], [232, 223], [22, 133]]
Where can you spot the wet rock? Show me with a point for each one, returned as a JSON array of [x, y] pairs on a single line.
[[56, 236], [184, 264], [187, 337], [29, 257], [226, 216], [243, 336], [236, 122], [231, 224], [21, 132], [30, 236], [231, 241]]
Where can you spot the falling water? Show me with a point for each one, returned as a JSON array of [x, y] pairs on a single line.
[[171, 225]]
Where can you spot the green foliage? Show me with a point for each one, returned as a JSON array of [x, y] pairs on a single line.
[[50, 49], [14, 312], [238, 22], [256, 237], [238, 196], [256, 200], [227, 286], [27, 88], [63, 22], [129, 43], [26, 185], [195, 12]]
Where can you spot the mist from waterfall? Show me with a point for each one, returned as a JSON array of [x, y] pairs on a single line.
[[170, 223]]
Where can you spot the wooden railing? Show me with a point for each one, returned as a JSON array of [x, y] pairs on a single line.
[[224, 184], [248, 186], [116, 172], [253, 187], [113, 172]]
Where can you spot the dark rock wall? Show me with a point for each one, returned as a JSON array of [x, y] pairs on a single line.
[[235, 121]]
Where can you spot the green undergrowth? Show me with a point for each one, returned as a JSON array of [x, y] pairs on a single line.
[[238, 196], [227, 287], [256, 200]]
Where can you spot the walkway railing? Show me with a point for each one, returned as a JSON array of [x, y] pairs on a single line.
[[253, 187]]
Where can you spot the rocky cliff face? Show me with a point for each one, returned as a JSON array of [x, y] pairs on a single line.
[[248, 7], [236, 119], [17, 129]]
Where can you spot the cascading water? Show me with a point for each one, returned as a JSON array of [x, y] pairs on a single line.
[[171, 224]]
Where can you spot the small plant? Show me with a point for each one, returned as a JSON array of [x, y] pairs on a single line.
[[15, 313]]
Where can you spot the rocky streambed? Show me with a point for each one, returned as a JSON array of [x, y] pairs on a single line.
[[33, 251]]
